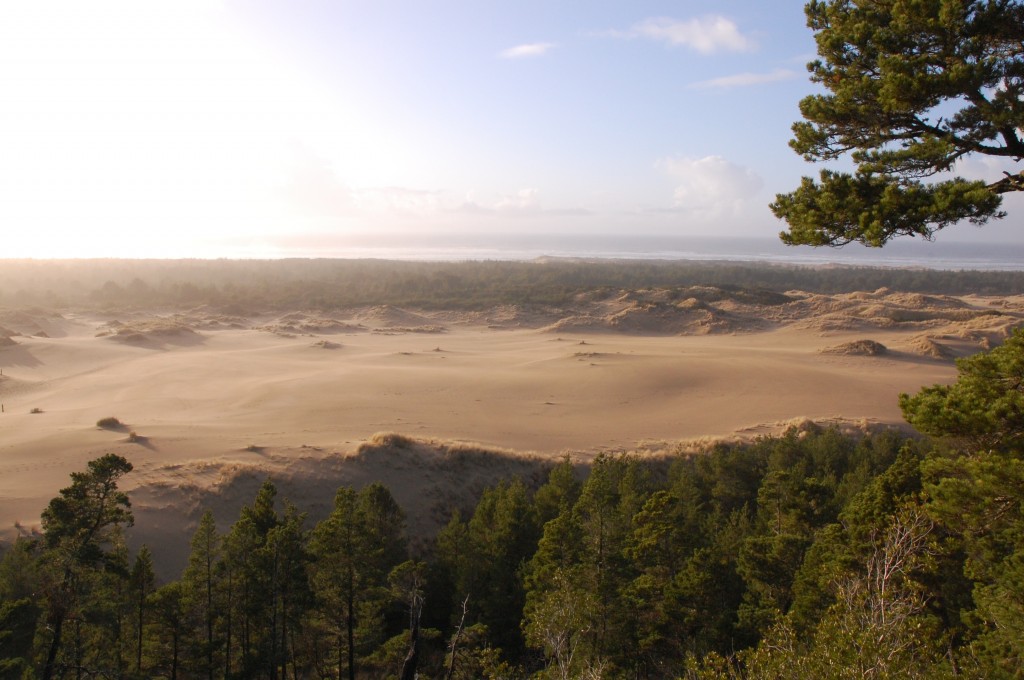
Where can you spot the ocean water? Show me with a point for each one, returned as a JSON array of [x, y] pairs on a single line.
[[906, 254]]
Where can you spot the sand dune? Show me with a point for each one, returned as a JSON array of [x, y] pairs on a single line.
[[211, 405]]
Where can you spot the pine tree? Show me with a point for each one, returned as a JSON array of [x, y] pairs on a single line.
[[354, 549], [912, 88], [78, 526], [142, 583], [202, 584], [250, 563]]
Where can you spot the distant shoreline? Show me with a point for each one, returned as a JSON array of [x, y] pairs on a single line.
[[451, 248], [939, 255]]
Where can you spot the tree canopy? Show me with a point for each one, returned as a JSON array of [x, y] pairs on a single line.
[[984, 407], [913, 87]]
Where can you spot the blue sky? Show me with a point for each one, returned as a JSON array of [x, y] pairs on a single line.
[[202, 128]]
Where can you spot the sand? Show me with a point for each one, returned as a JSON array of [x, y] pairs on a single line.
[[212, 405]]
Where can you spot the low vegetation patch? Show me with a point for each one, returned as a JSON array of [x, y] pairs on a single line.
[[863, 348]]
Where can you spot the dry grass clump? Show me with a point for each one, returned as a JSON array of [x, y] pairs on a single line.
[[143, 331], [395, 330], [861, 348], [109, 423], [930, 348], [390, 440]]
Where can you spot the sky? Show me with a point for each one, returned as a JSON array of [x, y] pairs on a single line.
[[260, 128]]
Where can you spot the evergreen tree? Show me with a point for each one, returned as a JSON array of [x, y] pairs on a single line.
[[19, 608], [582, 553], [291, 592], [354, 549], [202, 585], [498, 540], [78, 526], [142, 583], [976, 491], [913, 88], [169, 630], [251, 583]]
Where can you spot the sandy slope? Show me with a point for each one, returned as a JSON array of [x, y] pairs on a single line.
[[217, 404]]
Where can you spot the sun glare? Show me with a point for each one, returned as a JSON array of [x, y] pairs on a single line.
[[139, 129]]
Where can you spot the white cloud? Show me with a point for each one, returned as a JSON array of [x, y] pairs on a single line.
[[711, 187], [526, 51], [746, 79], [707, 35]]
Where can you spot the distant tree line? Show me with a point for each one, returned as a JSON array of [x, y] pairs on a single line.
[[807, 555], [249, 286]]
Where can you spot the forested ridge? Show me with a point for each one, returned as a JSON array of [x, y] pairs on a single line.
[[247, 286], [812, 554]]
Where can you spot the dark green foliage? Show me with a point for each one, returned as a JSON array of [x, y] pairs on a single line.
[[353, 552], [141, 584], [913, 87], [202, 600], [79, 561], [485, 558], [254, 287], [169, 632], [811, 554], [17, 628], [984, 408]]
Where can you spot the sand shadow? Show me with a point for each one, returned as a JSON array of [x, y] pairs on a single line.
[[142, 441], [158, 341], [18, 355]]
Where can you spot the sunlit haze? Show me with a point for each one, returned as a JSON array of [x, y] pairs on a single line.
[[264, 129]]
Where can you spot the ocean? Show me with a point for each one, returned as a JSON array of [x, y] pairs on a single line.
[[908, 253]]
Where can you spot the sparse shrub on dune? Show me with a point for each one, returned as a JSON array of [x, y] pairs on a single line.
[[867, 348], [392, 440], [109, 423]]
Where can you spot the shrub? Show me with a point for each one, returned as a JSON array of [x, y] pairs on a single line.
[[108, 423]]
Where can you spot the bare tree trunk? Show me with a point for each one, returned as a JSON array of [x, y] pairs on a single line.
[[455, 640], [413, 657]]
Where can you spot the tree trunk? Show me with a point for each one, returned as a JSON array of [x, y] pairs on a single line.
[[57, 623], [350, 625], [174, 656], [413, 657], [138, 632], [227, 647], [209, 616]]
